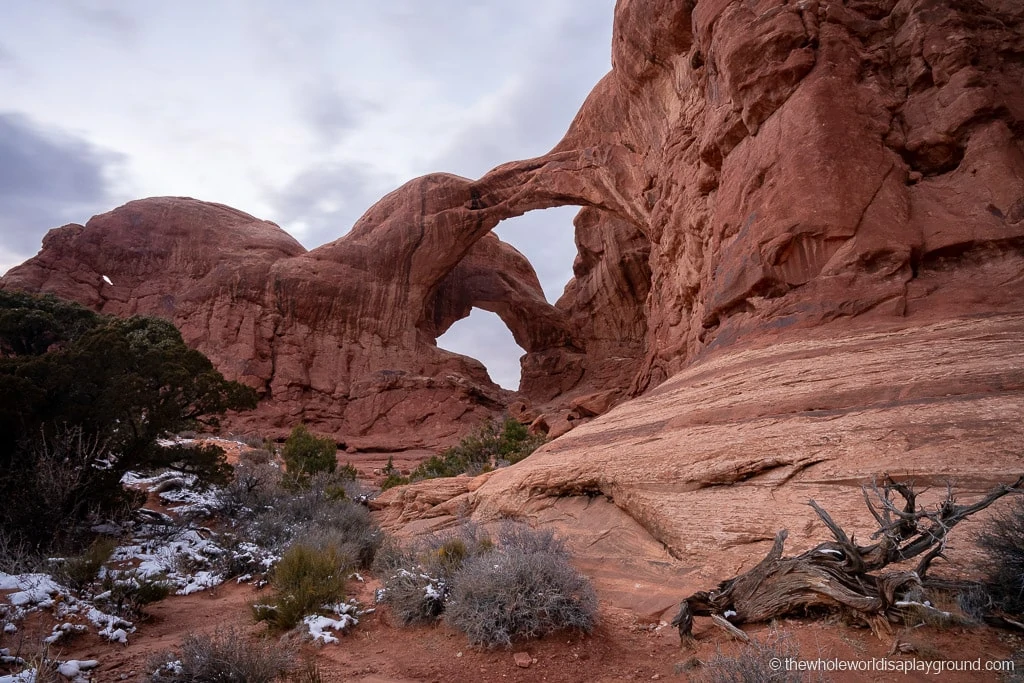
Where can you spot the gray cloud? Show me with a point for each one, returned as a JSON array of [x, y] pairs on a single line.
[[322, 203], [333, 114], [47, 179], [117, 24], [555, 76], [7, 58]]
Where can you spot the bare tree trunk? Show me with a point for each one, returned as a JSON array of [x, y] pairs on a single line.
[[840, 574]]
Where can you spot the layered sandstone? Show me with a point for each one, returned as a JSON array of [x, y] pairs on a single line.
[[751, 172]]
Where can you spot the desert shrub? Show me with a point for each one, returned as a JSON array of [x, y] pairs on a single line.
[[414, 597], [80, 571], [420, 577], [753, 663], [493, 444], [83, 399], [392, 476], [520, 587], [17, 556], [347, 472], [226, 656], [252, 440], [515, 441], [1003, 543], [306, 579], [309, 672], [519, 592], [255, 456], [263, 509], [126, 594], [443, 553], [305, 454], [206, 461]]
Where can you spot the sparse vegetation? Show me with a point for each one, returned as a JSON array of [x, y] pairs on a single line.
[[523, 586], [753, 663], [306, 578], [127, 594], [83, 398], [494, 444], [306, 454], [1003, 543], [264, 511], [524, 590], [80, 571], [223, 656]]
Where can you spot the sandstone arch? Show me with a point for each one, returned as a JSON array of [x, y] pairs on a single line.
[[713, 154]]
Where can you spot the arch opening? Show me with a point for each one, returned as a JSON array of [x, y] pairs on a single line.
[[484, 337], [546, 237]]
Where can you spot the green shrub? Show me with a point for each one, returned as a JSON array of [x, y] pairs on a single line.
[[83, 399], [494, 444], [306, 579], [392, 477], [207, 461], [226, 656], [1003, 543], [79, 572], [127, 593], [305, 454]]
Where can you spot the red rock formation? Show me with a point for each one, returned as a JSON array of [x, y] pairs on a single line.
[[749, 168], [832, 194]]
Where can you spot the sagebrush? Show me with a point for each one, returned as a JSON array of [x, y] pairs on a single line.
[[226, 656], [266, 511], [759, 661], [1003, 543], [521, 585]]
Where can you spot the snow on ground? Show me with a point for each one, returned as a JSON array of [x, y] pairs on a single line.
[[348, 616], [157, 549]]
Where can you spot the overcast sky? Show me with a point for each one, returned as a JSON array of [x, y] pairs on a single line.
[[300, 116]]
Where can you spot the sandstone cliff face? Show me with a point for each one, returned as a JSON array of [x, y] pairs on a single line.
[[750, 169], [830, 193]]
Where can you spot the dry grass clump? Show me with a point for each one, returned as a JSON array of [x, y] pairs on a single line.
[[756, 662], [226, 656]]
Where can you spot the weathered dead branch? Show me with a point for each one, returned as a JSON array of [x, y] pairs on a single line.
[[841, 574]]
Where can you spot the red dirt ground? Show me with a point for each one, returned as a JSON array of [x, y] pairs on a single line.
[[624, 646], [620, 649]]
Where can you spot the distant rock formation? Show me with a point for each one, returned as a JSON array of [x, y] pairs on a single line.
[[747, 170]]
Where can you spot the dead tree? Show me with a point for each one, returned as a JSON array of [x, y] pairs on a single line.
[[840, 574]]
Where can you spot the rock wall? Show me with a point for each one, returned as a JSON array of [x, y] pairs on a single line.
[[749, 169]]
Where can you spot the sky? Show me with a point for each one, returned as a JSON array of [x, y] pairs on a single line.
[[304, 117]]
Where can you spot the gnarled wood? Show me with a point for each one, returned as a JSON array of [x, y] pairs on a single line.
[[840, 573]]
